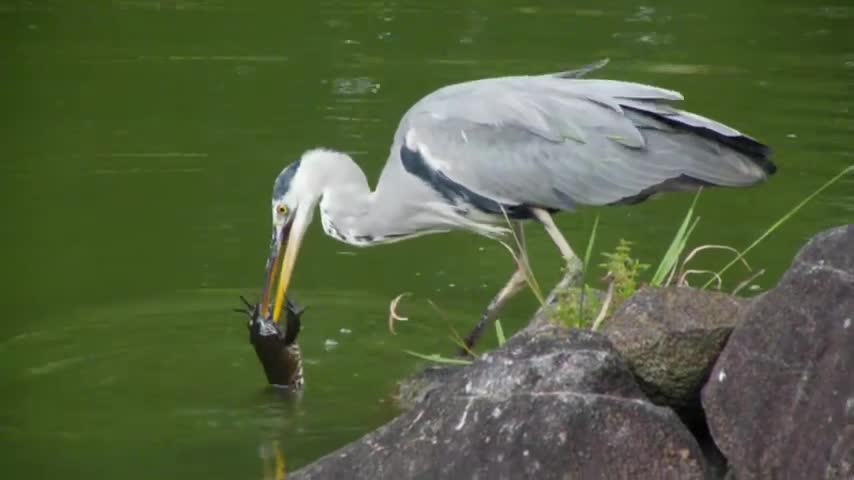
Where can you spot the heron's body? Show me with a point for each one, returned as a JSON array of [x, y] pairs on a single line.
[[473, 155]]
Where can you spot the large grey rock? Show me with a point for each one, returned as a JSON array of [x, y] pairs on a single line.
[[549, 404], [780, 400], [671, 337], [414, 389]]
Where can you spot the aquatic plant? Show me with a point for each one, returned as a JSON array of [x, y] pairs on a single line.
[[623, 270]]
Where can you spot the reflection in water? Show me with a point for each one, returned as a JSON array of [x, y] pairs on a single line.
[[272, 461], [282, 408]]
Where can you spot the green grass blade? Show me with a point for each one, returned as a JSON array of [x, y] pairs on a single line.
[[457, 340], [499, 333], [682, 245], [529, 275], [435, 357], [782, 220], [587, 253], [671, 256], [526, 266]]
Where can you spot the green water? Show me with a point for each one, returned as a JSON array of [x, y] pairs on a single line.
[[140, 141]]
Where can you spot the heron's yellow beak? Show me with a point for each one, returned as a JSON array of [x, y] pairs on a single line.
[[283, 255]]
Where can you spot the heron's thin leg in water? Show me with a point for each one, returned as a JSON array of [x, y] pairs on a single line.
[[574, 268], [513, 286]]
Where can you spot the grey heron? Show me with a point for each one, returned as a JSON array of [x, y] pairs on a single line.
[[490, 154]]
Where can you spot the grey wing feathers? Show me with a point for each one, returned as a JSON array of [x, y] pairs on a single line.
[[557, 142]]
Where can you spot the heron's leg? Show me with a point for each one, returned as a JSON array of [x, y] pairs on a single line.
[[574, 268], [513, 286]]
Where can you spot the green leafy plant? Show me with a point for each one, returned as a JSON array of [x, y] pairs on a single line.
[[623, 270], [570, 311], [585, 307]]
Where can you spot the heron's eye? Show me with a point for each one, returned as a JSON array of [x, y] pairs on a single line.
[[282, 209]]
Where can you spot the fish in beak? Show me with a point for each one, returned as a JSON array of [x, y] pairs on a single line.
[[276, 346], [284, 247]]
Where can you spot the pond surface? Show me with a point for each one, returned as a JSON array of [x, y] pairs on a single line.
[[140, 141]]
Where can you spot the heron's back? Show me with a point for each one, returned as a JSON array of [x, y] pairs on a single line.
[[555, 143]]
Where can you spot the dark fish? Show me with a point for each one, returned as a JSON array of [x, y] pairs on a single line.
[[277, 348]]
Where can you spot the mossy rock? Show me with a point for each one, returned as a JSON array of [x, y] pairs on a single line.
[[671, 337]]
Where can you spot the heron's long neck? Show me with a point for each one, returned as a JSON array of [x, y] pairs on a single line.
[[352, 213]]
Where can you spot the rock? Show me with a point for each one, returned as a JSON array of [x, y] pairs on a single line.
[[671, 337], [548, 404], [414, 389], [780, 399]]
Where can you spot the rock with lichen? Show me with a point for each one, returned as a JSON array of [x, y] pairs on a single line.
[[548, 404], [780, 399], [671, 337], [414, 389]]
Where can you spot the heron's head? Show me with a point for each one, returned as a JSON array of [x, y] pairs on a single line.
[[294, 198]]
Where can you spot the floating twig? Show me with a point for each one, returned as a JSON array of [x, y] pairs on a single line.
[[392, 312]]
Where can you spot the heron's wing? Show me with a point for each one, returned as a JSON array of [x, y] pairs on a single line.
[[555, 143]]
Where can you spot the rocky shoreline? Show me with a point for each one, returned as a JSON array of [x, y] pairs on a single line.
[[681, 384]]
